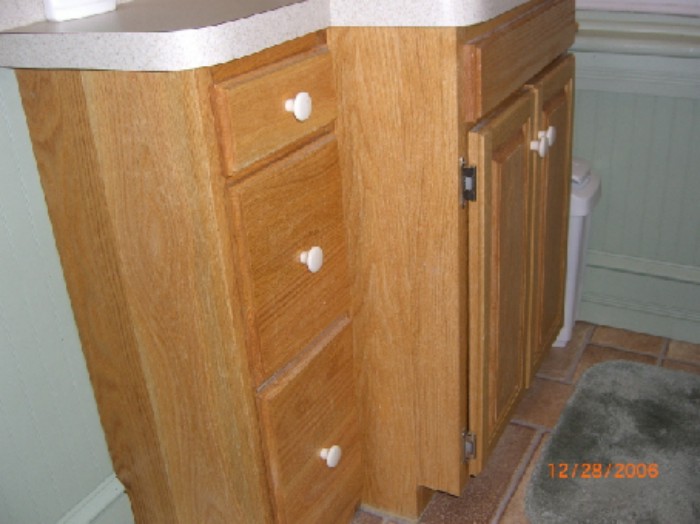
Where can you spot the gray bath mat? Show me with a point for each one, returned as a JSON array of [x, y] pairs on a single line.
[[626, 449]]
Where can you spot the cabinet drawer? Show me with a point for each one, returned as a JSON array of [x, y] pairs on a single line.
[[498, 63], [311, 408], [251, 109], [281, 211]]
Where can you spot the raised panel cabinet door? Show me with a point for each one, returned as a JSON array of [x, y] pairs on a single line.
[[552, 187], [499, 265]]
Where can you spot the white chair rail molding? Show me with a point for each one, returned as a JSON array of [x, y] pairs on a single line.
[[676, 7]]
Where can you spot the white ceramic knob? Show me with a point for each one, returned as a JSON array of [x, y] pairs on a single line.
[[332, 455], [313, 258], [541, 146], [300, 105], [550, 134]]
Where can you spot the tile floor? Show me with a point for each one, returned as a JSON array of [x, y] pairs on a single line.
[[498, 494]]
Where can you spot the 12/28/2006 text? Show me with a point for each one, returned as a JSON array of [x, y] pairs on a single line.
[[596, 470]]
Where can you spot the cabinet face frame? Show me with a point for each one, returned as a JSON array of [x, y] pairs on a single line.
[[499, 265], [401, 139]]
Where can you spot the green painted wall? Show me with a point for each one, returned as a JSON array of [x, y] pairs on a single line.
[[54, 465], [637, 121]]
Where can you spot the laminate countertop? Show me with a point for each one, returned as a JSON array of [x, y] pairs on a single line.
[[173, 35]]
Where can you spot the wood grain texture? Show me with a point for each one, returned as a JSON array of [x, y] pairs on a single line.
[[63, 145], [400, 145], [499, 62], [499, 265], [554, 93], [251, 113], [268, 56], [309, 407], [279, 212], [130, 175]]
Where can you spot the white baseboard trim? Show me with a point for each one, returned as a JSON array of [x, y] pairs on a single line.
[[647, 308], [95, 503], [640, 318], [644, 266], [648, 296]]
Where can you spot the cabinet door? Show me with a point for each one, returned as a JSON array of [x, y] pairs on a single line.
[[552, 185], [499, 264]]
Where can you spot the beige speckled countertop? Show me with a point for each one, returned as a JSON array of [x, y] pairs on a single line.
[[171, 35]]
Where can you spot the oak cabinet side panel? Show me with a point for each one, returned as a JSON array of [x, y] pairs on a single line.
[[65, 151], [142, 164]]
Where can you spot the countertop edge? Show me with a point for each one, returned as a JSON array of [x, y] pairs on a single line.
[[162, 51], [207, 46]]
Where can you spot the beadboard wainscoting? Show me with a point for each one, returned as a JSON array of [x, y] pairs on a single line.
[[638, 123], [54, 461]]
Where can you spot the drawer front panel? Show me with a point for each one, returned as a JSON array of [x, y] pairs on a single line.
[[311, 408], [499, 63], [282, 211], [251, 110]]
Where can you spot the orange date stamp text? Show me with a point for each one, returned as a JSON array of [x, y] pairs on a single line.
[[593, 470]]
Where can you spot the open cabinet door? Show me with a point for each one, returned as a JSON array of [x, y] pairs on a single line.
[[499, 266]]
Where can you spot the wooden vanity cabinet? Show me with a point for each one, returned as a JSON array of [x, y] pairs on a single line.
[[181, 205], [226, 365]]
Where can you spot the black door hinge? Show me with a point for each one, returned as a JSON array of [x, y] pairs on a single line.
[[468, 175]]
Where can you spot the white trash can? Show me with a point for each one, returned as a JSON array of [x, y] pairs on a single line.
[[585, 194]]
